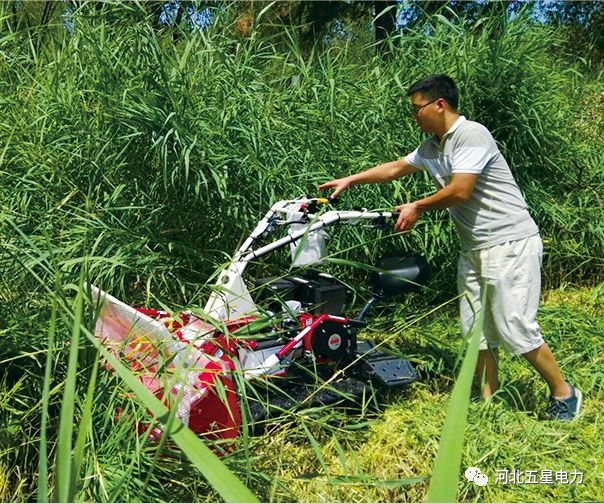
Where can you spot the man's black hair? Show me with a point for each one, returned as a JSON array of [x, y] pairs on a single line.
[[438, 86]]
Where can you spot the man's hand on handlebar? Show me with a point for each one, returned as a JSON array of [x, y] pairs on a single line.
[[408, 216], [338, 184], [408, 213]]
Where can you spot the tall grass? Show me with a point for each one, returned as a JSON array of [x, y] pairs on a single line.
[[443, 483], [142, 145], [69, 458], [147, 160]]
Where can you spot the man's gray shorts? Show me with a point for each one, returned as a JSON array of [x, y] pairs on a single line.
[[511, 273]]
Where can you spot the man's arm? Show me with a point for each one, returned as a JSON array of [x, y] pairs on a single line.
[[459, 190], [376, 175]]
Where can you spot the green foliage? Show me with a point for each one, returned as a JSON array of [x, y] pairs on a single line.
[[443, 483], [120, 142], [148, 159]]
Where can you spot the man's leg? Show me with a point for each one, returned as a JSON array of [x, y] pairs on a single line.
[[545, 363], [470, 304], [516, 282], [487, 368]]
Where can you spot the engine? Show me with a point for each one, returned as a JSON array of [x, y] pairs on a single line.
[[316, 293]]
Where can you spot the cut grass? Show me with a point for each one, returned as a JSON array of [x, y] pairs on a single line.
[[508, 433]]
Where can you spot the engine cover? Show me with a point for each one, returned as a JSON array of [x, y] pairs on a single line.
[[318, 292], [322, 293], [331, 340]]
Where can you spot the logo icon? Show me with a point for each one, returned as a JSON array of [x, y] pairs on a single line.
[[334, 341], [476, 476]]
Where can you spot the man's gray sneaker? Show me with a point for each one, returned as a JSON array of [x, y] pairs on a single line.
[[566, 409]]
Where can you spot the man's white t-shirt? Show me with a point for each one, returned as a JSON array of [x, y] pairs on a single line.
[[496, 211]]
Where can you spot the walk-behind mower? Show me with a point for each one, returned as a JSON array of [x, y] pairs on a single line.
[[264, 346]]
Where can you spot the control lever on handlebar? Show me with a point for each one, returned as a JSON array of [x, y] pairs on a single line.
[[313, 206]]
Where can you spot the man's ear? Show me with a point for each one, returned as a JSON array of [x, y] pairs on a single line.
[[441, 103]]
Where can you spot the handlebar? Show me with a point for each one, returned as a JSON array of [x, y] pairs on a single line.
[[311, 205]]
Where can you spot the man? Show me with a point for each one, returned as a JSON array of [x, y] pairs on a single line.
[[501, 246]]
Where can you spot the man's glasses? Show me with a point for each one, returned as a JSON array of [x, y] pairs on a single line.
[[416, 110]]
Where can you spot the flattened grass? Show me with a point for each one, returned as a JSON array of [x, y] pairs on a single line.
[[509, 433]]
